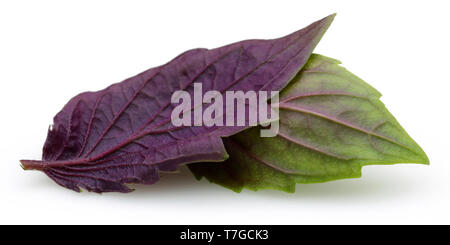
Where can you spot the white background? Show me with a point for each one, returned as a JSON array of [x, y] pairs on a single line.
[[52, 50]]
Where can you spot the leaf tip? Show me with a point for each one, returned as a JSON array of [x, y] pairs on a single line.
[[419, 156], [423, 159], [330, 18]]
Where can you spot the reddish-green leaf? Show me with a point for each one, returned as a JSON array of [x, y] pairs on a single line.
[[331, 124]]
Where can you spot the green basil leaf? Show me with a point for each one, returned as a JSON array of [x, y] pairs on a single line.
[[331, 124]]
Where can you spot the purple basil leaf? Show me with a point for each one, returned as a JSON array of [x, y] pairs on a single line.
[[123, 134]]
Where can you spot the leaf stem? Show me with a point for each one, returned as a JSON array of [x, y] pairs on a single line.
[[32, 164]]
